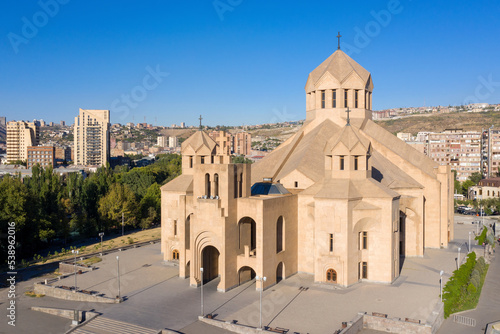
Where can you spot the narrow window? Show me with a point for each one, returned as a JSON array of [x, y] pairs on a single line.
[[331, 242], [175, 227], [365, 240], [345, 98], [341, 162], [216, 185], [240, 186], [207, 185], [334, 98], [323, 99], [190, 162], [279, 234], [202, 160], [356, 158], [364, 272], [356, 98], [296, 184], [212, 161]]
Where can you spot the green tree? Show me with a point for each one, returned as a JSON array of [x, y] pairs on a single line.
[[466, 185], [476, 177], [240, 159], [119, 200]]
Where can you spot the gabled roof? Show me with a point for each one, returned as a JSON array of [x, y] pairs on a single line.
[[340, 66], [350, 138], [199, 143]]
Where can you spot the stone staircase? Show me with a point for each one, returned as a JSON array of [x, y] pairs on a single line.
[[101, 325]]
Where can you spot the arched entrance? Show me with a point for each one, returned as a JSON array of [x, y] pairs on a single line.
[[331, 276], [210, 263], [280, 272], [245, 274]]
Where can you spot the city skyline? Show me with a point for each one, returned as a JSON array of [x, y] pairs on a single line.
[[143, 62]]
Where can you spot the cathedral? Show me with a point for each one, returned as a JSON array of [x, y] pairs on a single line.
[[342, 200]]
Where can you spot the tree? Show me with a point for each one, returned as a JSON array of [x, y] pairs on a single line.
[[466, 185], [240, 159], [476, 177], [119, 200]]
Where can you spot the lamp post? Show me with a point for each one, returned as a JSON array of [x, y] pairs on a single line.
[[458, 263], [261, 280], [123, 226], [75, 252], [101, 234], [118, 275], [441, 284], [201, 278], [470, 233]]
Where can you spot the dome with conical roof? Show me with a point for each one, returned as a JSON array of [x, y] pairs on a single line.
[[344, 71]]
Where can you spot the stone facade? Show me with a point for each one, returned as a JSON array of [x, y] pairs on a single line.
[[342, 199]]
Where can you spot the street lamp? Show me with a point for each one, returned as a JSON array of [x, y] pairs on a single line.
[[75, 252], [470, 233], [101, 235], [261, 280], [459, 249], [201, 278], [441, 284], [118, 275]]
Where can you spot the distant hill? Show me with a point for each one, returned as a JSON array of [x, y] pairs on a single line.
[[440, 122]]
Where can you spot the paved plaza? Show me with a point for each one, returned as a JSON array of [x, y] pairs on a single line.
[[155, 297]]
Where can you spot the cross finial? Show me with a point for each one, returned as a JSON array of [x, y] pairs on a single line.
[[348, 119], [200, 121], [338, 36]]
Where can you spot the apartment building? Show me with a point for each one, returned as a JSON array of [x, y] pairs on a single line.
[[21, 135], [91, 137], [242, 143], [41, 155], [461, 150]]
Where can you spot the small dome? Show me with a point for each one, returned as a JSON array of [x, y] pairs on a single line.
[[268, 188]]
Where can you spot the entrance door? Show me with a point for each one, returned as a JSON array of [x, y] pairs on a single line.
[[210, 263], [331, 276]]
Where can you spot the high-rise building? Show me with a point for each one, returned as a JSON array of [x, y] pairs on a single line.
[[458, 149], [172, 141], [224, 141], [3, 127], [242, 143], [62, 123], [3, 121], [161, 141], [20, 135], [41, 155], [91, 136]]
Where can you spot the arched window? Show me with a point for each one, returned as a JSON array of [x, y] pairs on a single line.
[[207, 185], [216, 185], [175, 254], [331, 276], [279, 234]]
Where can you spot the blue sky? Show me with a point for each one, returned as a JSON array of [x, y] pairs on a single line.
[[236, 61]]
